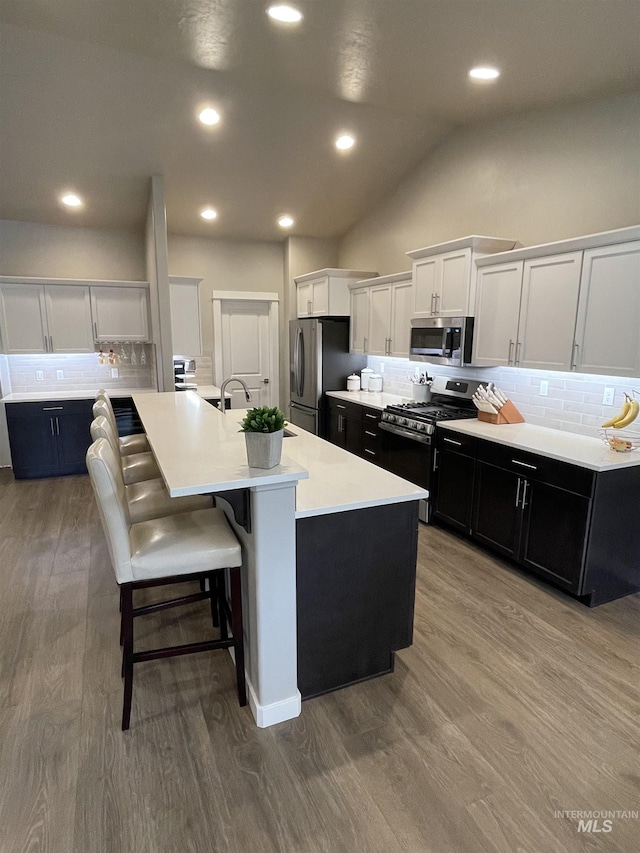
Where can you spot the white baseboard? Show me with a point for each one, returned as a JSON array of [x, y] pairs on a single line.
[[278, 712]]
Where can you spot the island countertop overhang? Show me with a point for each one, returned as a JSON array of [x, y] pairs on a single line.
[[201, 450]]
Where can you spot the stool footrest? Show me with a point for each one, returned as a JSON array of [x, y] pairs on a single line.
[[174, 602], [186, 649]]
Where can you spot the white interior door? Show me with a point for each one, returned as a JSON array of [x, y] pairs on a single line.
[[247, 347]]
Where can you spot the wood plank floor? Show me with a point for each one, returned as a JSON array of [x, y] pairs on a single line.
[[514, 702]]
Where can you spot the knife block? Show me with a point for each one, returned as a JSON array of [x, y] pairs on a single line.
[[508, 414]]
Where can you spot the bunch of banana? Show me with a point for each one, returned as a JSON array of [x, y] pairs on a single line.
[[627, 414]]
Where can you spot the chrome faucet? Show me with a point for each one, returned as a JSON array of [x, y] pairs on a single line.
[[247, 393]]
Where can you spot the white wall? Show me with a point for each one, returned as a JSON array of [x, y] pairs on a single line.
[[241, 265], [27, 248], [536, 177]]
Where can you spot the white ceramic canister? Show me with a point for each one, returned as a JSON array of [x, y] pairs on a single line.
[[375, 383], [353, 382], [365, 374]]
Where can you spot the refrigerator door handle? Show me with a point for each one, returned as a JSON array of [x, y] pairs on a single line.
[[296, 351], [302, 363]]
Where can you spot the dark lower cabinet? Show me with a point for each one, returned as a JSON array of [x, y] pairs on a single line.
[[576, 528], [49, 439], [345, 425], [454, 470]]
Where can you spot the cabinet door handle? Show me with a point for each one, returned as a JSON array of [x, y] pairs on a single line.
[[389, 346], [518, 492], [576, 355], [435, 459], [437, 295], [57, 427], [53, 408], [510, 351], [518, 345], [309, 307], [365, 343], [373, 417], [95, 330], [524, 495], [370, 452], [525, 464], [433, 297], [50, 344], [46, 344], [338, 406], [372, 434], [451, 441], [51, 426]]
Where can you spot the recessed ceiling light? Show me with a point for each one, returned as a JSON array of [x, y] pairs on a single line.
[[284, 13], [209, 213], [484, 72], [285, 221], [344, 142], [209, 116], [71, 200]]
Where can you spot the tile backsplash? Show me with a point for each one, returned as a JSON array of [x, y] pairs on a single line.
[[574, 402], [81, 371]]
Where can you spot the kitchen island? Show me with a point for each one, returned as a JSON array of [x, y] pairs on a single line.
[[316, 577]]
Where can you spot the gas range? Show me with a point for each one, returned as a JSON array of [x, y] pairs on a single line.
[[422, 417], [451, 400]]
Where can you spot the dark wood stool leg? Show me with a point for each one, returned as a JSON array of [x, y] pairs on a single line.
[[127, 652], [222, 597], [213, 599], [238, 634]]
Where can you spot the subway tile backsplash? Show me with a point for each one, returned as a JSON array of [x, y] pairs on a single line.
[[574, 402], [81, 371]]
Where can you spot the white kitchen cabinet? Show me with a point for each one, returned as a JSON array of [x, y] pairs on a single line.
[[526, 312], [40, 319], [359, 326], [185, 316], [325, 293], [608, 329], [381, 315], [120, 313], [444, 275]]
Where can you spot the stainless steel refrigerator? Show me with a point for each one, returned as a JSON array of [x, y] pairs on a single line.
[[320, 361]]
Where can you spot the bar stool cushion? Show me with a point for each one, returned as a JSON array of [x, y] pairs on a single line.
[[127, 444], [136, 467], [182, 544], [150, 499]]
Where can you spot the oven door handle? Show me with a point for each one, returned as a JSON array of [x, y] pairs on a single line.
[[405, 433]]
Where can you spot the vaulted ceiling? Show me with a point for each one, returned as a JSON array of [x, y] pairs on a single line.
[[97, 95]]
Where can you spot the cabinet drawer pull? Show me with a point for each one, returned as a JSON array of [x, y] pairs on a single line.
[[338, 406], [53, 408], [451, 441], [373, 417], [518, 492], [523, 464], [370, 452], [372, 434]]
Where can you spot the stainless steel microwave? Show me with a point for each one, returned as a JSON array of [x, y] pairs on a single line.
[[442, 340]]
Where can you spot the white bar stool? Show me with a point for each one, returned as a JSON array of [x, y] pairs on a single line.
[[127, 443], [136, 467], [187, 546]]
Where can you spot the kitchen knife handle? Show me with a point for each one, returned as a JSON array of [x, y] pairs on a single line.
[[510, 351]]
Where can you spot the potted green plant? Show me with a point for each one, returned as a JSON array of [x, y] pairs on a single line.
[[263, 430]]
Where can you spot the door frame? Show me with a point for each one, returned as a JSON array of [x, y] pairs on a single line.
[[220, 296]]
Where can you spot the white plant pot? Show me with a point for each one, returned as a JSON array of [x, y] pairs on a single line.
[[264, 449]]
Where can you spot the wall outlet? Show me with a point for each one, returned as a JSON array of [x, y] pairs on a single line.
[[59, 374], [114, 372], [544, 387], [40, 375], [381, 368], [608, 396]]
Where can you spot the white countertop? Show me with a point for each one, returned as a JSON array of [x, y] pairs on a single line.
[[366, 398], [199, 449], [569, 447], [209, 392], [72, 394]]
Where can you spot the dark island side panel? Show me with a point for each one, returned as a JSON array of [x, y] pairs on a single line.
[[356, 576]]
